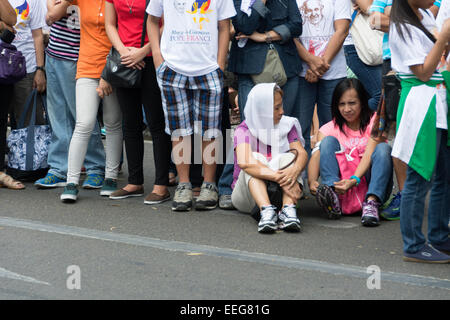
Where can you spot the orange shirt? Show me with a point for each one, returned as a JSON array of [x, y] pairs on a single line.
[[94, 43]]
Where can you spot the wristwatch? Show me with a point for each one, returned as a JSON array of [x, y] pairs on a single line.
[[268, 38], [42, 68]]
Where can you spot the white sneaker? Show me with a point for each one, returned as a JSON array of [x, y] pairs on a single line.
[[268, 221], [288, 218]]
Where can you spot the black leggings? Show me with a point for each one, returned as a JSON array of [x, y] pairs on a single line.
[[131, 102], [6, 94]]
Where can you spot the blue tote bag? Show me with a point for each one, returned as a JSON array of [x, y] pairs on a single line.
[[28, 146]]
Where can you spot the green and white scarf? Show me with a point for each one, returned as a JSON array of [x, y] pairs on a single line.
[[415, 141]]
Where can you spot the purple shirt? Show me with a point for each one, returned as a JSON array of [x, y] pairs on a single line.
[[242, 134]]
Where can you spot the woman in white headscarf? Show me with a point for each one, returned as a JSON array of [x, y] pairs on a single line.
[[262, 143]]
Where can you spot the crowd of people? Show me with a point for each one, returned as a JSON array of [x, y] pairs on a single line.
[[313, 111]]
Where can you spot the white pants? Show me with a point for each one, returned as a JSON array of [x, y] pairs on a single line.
[[87, 101], [241, 197]]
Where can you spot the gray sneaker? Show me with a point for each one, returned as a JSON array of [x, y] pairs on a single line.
[[268, 221], [288, 219], [209, 195], [182, 200], [225, 202]]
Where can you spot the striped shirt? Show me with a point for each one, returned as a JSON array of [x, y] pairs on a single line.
[[64, 42]]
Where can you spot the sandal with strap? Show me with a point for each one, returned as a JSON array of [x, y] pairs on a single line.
[[7, 181]]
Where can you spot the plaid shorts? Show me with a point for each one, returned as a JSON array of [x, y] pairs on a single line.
[[191, 100]]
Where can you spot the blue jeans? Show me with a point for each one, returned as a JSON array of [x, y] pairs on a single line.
[[62, 114], [308, 95], [245, 85], [379, 177], [412, 208], [370, 76]]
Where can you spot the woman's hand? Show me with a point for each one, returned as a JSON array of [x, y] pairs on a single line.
[[313, 187], [255, 36], [133, 58], [288, 177], [104, 88], [343, 186]]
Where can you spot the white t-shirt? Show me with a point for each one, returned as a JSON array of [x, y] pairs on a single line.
[[30, 16], [443, 14], [189, 42], [412, 51], [318, 28]]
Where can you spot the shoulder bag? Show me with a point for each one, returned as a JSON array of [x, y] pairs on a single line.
[[368, 42], [273, 71], [13, 67], [118, 75]]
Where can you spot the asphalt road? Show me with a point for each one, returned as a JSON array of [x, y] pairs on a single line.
[[104, 249]]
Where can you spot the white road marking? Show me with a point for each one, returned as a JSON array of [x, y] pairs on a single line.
[[253, 257], [15, 276]]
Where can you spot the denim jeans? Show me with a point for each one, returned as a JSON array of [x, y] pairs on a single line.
[[379, 177], [62, 114], [412, 208], [308, 95], [370, 76], [245, 85]]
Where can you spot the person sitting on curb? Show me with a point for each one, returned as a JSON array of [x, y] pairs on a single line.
[[261, 143], [351, 129]]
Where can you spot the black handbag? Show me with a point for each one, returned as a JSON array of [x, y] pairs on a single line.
[[118, 75], [274, 191], [392, 89]]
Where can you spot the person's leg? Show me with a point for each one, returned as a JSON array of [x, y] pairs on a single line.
[[412, 210], [176, 105], [87, 102], [208, 98], [438, 209], [61, 109], [290, 90], [380, 185], [131, 107], [112, 117], [151, 98], [370, 76], [381, 175], [329, 167], [245, 85], [20, 93], [304, 109], [326, 197], [5, 93]]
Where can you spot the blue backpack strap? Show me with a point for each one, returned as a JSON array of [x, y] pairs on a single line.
[[355, 12]]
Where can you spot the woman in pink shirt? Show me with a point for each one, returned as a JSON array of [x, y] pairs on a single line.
[[350, 133]]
